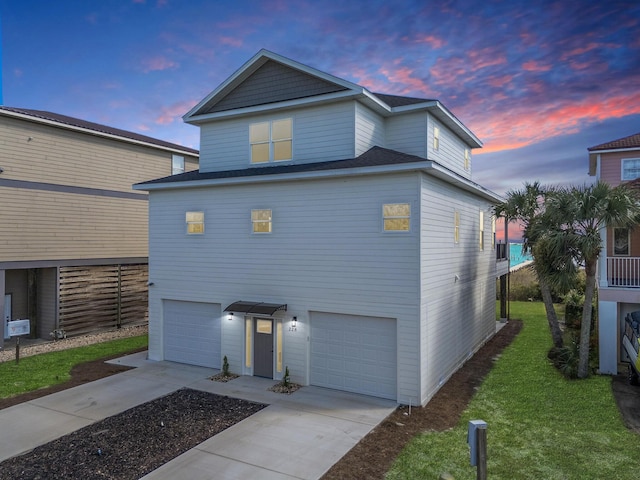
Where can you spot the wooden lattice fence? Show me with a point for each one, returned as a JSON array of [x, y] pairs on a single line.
[[94, 298]]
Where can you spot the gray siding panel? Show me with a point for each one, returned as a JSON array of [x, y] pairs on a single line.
[[274, 82], [408, 134], [451, 148], [370, 129]]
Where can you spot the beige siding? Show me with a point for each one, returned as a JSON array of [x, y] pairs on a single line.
[[38, 225], [40, 153]]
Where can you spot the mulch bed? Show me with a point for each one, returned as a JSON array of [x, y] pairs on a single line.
[[372, 457], [135, 442]]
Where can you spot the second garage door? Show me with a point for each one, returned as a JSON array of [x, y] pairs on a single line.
[[192, 333], [354, 353]]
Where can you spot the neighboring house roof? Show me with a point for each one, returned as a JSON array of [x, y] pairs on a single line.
[[632, 142], [269, 81], [374, 160], [65, 121]]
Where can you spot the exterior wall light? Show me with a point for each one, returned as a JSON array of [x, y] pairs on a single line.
[[294, 322], [230, 316]]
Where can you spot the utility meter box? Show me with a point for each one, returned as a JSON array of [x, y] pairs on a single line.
[[472, 439]]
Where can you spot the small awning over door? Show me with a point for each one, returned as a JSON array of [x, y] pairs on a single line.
[[257, 308]]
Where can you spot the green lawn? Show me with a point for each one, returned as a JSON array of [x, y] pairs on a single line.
[[47, 369], [540, 425]]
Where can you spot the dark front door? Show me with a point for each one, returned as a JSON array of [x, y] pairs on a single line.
[[263, 348]]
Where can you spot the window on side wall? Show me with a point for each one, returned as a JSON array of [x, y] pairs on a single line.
[[467, 159], [456, 227], [177, 164], [436, 138], [630, 168], [396, 217], [261, 221], [195, 223], [271, 141], [621, 241], [481, 230]]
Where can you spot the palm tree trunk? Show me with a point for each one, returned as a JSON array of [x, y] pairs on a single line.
[[552, 316], [585, 329]]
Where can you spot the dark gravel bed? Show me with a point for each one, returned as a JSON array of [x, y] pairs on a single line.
[[135, 442]]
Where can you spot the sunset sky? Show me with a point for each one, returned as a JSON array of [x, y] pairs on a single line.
[[537, 81]]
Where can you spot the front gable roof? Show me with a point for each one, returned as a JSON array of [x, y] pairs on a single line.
[[269, 81]]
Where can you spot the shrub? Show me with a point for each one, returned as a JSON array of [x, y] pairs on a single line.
[[225, 366]]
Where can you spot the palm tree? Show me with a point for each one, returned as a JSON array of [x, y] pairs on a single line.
[[574, 217], [527, 207]]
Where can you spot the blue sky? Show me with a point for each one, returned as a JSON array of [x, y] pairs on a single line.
[[537, 81]]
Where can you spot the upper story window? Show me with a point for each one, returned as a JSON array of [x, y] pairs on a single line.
[[195, 223], [396, 217], [467, 159], [177, 164], [621, 241], [630, 168], [493, 231], [436, 138], [271, 141], [261, 221]]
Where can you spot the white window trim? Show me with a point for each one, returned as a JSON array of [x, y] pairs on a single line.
[[408, 217], [467, 159], [628, 254], [254, 222], [456, 227], [191, 222], [481, 231], [436, 138], [181, 169], [271, 141], [622, 163]]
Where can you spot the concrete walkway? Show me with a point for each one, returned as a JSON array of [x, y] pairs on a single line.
[[297, 436]]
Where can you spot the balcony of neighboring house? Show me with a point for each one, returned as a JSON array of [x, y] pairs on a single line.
[[620, 267]]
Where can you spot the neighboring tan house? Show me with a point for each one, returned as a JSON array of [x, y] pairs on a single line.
[[330, 230], [73, 232], [616, 162]]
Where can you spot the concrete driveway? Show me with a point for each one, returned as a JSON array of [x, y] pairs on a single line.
[[297, 436]]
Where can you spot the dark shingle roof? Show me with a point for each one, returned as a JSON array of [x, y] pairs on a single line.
[[96, 127], [397, 101], [376, 156], [632, 141]]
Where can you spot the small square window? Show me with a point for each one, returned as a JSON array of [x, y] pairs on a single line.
[[177, 164], [271, 141], [261, 221], [195, 223], [436, 138], [396, 217]]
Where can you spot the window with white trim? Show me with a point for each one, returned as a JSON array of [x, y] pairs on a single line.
[[261, 221], [271, 141], [467, 159], [493, 231], [396, 217], [481, 230], [177, 164], [436, 138], [621, 242], [630, 168], [456, 227], [195, 223]]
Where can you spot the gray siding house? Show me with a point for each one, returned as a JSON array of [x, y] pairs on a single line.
[[330, 230]]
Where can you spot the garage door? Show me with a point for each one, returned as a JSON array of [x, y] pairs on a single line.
[[353, 353], [192, 333]]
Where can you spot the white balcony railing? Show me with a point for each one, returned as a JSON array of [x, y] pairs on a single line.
[[623, 272]]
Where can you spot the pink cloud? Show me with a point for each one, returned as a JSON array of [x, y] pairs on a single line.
[[231, 41], [501, 81], [158, 64], [142, 128], [431, 40], [174, 112], [533, 66]]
